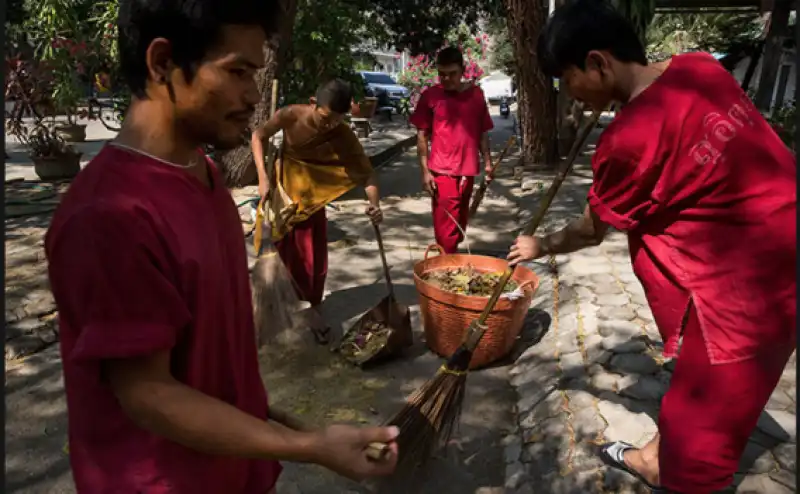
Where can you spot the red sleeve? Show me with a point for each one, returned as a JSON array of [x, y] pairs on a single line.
[[487, 123], [422, 118], [113, 282], [621, 192]]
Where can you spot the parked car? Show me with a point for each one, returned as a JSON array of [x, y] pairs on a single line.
[[497, 86], [385, 88]]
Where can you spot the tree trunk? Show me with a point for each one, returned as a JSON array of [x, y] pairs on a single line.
[[751, 67], [237, 165], [570, 116], [536, 103], [773, 52]]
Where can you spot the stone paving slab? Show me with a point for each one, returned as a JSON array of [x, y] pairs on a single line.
[[597, 375]]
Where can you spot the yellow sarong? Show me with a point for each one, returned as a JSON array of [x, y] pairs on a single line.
[[312, 174]]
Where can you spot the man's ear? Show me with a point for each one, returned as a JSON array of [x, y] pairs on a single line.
[[312, 100], [597, 60], [159, 60]]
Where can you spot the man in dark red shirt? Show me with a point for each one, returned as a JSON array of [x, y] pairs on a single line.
[[705, 190], [453, 115], [149, 271]]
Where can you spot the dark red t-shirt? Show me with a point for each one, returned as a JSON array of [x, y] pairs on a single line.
[[143, 258], [456, 121], [706, 191]]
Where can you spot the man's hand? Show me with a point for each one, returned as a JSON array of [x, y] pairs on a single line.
[[343, 449], [428, 183], [263, 189], [375, 214], [525, 248], [487, 168]]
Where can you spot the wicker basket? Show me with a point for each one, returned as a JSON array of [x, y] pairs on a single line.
[[447, 315]]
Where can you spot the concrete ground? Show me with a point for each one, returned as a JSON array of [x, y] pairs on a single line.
[[308, 381]]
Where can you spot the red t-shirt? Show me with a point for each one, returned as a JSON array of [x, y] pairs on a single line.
[[143, 258], [455, 121], [707, 193]]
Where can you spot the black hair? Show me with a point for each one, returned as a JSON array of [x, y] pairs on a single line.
[[450, 55], [191, 26], [581, 26], [335, 94]]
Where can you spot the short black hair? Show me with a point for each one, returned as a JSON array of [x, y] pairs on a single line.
[[581, 26], [450, 55], [336, 94], [191, 26]]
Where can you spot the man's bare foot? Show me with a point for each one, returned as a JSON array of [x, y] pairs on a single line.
[[625, 457], [646, 469], [319, 328]]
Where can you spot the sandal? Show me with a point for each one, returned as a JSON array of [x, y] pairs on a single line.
[[613, 455]]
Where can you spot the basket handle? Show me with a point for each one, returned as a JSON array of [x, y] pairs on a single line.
[[524, 284], [430, 248]]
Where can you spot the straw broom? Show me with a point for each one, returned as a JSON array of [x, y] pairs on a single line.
[[476, 200], [275, 299], [431, 414]]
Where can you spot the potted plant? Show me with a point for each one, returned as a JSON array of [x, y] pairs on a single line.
[[68, 69], [53, 158]]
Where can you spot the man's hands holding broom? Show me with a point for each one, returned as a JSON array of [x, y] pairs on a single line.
[[344, 449]]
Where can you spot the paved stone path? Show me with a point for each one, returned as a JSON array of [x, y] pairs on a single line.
[[597, 375]]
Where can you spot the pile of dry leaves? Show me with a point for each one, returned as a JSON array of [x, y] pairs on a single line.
[[364, 342], [467, 281]]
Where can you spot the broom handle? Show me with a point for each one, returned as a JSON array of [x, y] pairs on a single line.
[[270, 163], [262, 202], [530, 229], [382, 251], [484, 185]]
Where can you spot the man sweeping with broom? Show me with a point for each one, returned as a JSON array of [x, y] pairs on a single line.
[[321, 159], [148, 268], [706, 192]]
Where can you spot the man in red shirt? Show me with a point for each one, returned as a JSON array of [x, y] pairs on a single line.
[[148, 267], [454, 117], [705, 190]]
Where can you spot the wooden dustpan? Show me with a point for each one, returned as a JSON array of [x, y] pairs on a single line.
[[384, 331]]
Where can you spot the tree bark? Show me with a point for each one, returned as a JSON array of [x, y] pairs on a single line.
[[773, 52], [751, 66], [570, 116], [237, 165], [536, 98]]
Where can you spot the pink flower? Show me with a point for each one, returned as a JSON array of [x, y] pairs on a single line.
[[478, 39]]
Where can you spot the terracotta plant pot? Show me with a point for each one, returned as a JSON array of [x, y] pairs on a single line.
[[60, 167], [71, 132], [365, 109]]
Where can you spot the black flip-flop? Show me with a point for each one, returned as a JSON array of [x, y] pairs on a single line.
[[613, 455]]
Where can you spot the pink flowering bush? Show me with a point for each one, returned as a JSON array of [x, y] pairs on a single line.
[[420, 72]]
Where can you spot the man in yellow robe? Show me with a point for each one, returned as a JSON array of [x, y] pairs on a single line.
[[320, 160]]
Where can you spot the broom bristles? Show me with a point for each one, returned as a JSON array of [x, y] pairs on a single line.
[[275, 299], [430, 417]]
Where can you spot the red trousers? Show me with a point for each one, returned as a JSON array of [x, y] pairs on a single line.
[[452, 196], [709, 412], [304, 252]]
